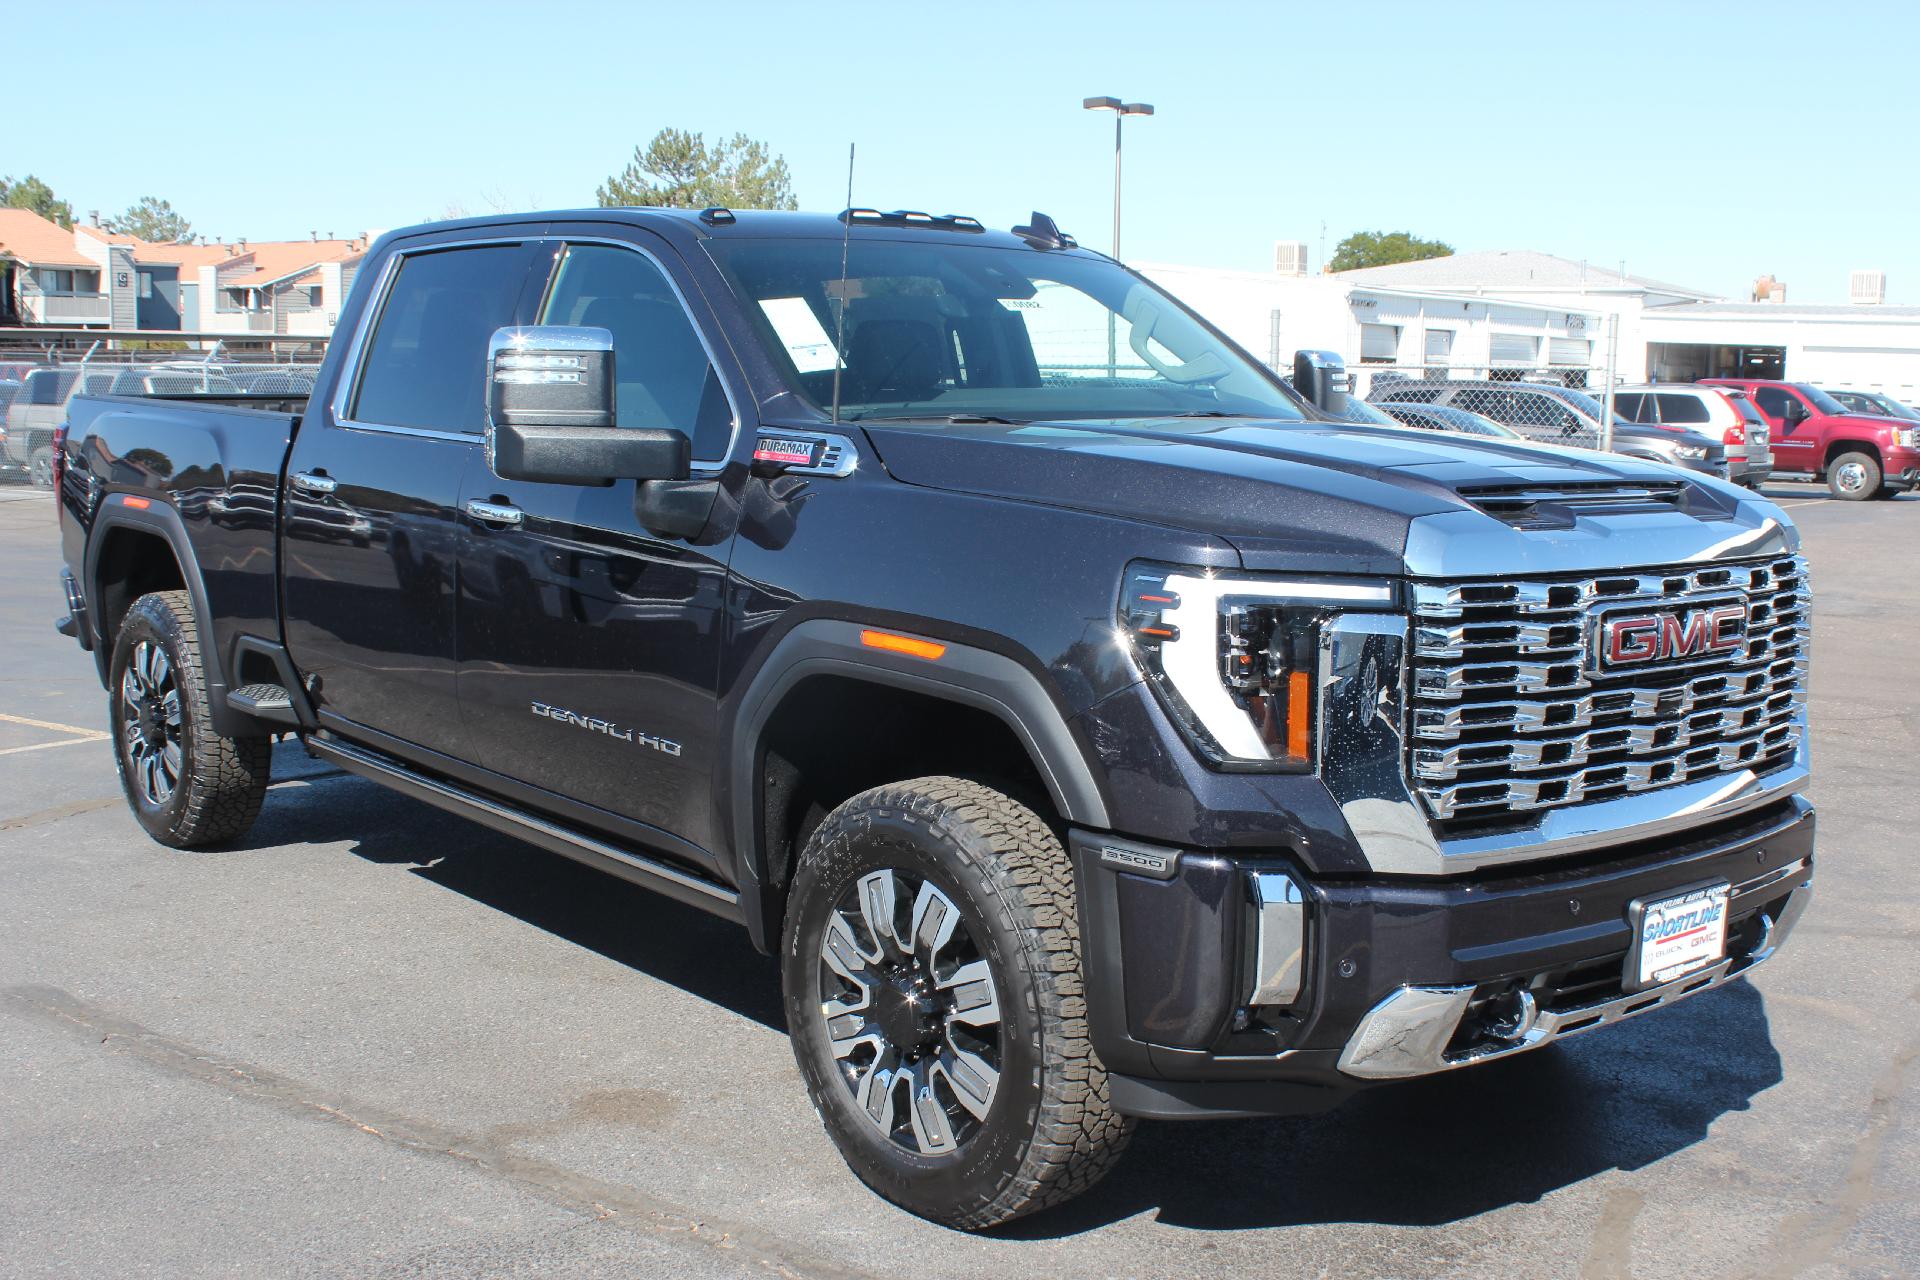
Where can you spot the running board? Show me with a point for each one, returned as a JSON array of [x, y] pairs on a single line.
[[646, 872]]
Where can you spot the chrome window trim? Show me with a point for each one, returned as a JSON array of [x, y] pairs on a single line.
[[348, 383]]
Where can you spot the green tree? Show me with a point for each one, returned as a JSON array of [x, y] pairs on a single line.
[[1379, 248], [31, 193], [680, 171], [152, 219]]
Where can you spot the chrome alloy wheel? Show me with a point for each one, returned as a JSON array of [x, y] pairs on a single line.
[[1850, 477], [150, 721], [912, 1012]]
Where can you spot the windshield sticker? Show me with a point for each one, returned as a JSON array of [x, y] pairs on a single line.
[[800, 333]]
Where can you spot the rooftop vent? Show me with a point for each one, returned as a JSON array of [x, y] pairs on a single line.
[[1290, 257], [1867, 288]]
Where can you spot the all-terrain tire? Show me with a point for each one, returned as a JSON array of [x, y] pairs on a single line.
[[1050, 1131], [216, 784]]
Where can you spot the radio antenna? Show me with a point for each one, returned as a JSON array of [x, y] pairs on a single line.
[[840, 321]]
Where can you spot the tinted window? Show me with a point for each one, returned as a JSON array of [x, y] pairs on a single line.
[[1399, 396], [1627, 406], [426, 364], [1744, 407], [1679, 408], [1772, 401], [661, 372]]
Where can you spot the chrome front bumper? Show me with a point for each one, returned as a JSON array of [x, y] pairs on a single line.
[[1407, 1033]]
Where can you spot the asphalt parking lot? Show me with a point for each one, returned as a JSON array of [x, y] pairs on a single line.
[[379, 1041]]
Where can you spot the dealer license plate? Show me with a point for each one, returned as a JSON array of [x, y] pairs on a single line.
[[1677, 935]]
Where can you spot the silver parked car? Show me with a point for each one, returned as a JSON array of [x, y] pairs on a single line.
[[1722, 412]]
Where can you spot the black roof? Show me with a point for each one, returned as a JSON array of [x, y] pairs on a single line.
[[747, 223]]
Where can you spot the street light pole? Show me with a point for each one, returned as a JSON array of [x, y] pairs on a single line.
[[1121, 110]]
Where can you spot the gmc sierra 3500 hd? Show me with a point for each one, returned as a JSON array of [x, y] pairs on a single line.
[[1096, 729]]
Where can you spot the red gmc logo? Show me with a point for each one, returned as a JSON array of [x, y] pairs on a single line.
[[1636, 639]]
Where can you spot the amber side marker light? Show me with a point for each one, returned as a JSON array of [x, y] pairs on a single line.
[[903, 644], [1298, 705], [138, 504]]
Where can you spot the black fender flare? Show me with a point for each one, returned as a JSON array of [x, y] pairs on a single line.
[[964, 674], [162, 520]]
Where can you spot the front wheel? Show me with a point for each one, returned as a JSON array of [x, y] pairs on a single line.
[[40, 467], [186, 784], [1854, 477], [932, 970]]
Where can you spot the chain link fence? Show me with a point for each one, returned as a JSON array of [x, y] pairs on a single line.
[[1557, 405]]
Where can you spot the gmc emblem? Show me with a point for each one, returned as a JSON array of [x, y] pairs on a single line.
[[1642, 637]]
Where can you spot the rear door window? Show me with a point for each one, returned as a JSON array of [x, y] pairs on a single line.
[[426, 363], [1680, 409], [1627, 406]]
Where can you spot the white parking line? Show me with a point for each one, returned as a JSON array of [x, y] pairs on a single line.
[[48, 746], [91, 734]]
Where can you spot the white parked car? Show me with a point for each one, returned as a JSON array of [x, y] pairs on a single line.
[[1723, 412]]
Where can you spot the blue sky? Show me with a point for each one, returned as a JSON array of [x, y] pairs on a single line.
[[1703, 143]]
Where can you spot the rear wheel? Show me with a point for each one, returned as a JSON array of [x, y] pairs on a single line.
[[931, 963], [187, 785], [40, 466], [1854, 477]]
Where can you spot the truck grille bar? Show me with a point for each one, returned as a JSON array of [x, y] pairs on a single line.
[[1509, 713]]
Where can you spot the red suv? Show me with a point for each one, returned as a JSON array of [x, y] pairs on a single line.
[[1859, 455]]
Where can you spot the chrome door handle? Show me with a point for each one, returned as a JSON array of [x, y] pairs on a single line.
[[315, 484], [494, 512]]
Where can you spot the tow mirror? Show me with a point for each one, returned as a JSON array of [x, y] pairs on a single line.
[[551, 413], [1793, 411], [1321, 376]]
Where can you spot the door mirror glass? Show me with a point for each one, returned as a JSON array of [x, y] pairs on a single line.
[[551, 413]]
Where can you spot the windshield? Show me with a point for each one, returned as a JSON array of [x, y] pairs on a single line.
[[1744, 407], [1820, 400], [1896, 409], [943, 329]]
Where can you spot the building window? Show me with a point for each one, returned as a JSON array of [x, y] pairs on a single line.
[[1379, 343], [146, 284], [61, 281]]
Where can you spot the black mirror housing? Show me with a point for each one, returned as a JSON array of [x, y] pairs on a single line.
[[589, 455], [1321, 376]]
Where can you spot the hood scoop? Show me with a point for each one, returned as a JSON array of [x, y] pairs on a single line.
[[1558, 505]]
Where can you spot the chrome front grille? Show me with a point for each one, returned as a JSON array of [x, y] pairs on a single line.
[[1509, 716]]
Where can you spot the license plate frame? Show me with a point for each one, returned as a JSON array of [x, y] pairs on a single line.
[[1682, 951]]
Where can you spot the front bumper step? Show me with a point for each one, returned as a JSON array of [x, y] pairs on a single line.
[[1408, 1033]]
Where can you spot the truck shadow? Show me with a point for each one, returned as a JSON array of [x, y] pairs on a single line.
[[683, 946], [1435, 1151], [1419, 1153]]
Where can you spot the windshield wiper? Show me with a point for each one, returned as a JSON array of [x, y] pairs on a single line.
[[956, 419]]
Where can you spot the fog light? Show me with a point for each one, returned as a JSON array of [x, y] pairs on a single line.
[[1511, 1016]]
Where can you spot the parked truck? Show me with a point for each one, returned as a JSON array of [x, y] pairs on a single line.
[[1096, 729], [1861, 456]]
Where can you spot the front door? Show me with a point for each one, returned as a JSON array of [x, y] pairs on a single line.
[[370, 514], [1796, 444], [589, 644]]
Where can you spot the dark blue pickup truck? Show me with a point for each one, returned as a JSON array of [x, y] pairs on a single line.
[[1096, 728]]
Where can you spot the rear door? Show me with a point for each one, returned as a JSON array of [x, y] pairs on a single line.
[[590, 644], [369, 516]]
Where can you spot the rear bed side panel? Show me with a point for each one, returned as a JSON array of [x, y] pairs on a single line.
[[210, 476]]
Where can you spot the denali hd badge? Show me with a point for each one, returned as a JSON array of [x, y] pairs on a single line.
[[624, 733], [1641, 636]]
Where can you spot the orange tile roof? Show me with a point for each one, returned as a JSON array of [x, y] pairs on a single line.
[[31, 238], [277, 259]]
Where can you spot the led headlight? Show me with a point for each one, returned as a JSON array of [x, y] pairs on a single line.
[[1234, 657]]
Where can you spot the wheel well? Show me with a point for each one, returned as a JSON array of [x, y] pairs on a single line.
[[878, 734], [1838, 447], [132, 563]]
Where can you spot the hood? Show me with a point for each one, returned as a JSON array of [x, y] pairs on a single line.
[[1324, 496]]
